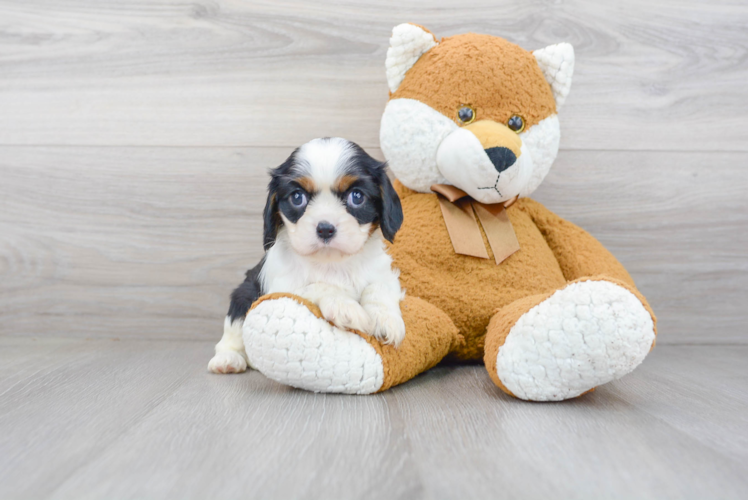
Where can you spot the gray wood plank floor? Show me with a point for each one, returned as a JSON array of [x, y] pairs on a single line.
[[144, 419]]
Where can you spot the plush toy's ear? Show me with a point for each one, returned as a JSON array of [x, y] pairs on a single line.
[[407, 44], [557, 64]]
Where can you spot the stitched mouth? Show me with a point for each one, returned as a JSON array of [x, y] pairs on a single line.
[[494, 187]]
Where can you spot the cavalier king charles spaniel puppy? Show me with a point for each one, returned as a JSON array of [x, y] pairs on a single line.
[[328, 207]]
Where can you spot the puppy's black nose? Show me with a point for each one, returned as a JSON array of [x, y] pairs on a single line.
[[325, 230], [502, 158]]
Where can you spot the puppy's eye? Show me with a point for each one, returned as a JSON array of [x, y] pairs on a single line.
[[297, 199], [356, 198], [466, 114], [516, 123]]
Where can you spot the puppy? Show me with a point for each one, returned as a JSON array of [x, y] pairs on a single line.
[[328, 207]]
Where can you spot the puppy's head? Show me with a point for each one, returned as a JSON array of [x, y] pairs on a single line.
[[330, 196]]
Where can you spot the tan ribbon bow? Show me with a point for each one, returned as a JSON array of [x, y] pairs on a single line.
[[459, 211]]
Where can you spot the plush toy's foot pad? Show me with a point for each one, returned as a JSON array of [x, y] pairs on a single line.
[[582, 336], [289, 344]]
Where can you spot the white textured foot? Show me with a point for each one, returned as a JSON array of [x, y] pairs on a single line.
[[585, 335], [227, 362], [290, 345]]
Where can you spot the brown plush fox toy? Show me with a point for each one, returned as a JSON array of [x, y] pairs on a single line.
[[471, 129]]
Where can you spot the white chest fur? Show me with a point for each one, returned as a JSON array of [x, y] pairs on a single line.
[[287, 271]]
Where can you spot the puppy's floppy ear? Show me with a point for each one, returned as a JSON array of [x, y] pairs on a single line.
[[271, 219], [271, 216], [391, 217]]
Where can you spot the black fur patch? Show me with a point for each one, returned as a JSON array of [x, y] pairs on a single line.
[[245, 294], [292, 213], [282, 185], [382, 204]]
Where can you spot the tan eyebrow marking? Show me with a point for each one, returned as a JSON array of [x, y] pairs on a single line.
[[344, 182], [307, 183]]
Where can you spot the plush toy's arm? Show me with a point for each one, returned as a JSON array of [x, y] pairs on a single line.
[[578, 253]]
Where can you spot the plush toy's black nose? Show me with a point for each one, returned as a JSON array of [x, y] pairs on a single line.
[[502, 158], [325, 230]]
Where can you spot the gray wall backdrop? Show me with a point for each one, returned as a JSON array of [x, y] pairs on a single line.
[[135, 137]]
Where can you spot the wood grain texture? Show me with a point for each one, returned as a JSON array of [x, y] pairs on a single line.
[[650, 75], [127, 242], [148, 242], [143, 419], [51, 414]]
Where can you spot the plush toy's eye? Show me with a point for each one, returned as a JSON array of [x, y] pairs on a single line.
[[298, 199], [516, 123], [466, 114], [356, 198]]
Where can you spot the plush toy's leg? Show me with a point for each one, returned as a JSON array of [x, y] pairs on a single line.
[[562, 344], [287, 339]]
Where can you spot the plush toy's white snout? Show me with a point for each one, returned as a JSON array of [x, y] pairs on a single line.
[[424, 148], [486, 160]]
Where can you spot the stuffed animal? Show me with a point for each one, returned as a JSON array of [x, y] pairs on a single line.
[[470, 131]]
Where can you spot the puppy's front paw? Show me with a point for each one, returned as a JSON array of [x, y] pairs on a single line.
[[388, 325], [346, 313], [227, 362]]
